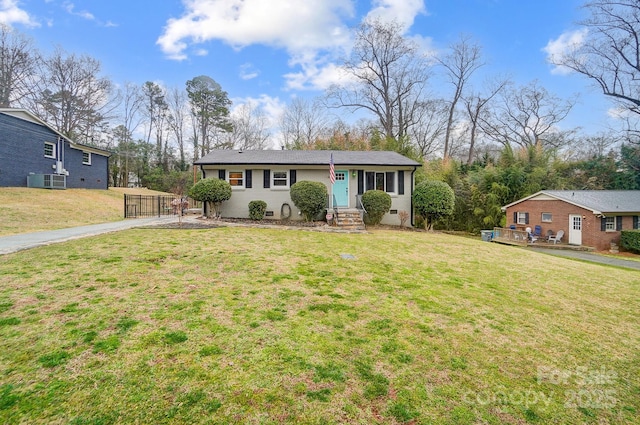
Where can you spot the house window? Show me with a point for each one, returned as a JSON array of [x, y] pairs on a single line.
[[49, 150], [381, 181], [280, 179], [523, 218], [236, 178], [610, 224], [86, 158], [546, 217]]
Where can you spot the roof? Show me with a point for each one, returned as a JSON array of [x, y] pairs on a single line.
[[305, 157], [25, 115], [598, 201]]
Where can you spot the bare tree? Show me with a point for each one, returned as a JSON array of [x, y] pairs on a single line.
[[250, 128], [18, 63], [610, 55], [389, 74], [526, 116], [302, 123], [428, 133], [156, 110], [130, 104], [73, 97], [177, 120], [460, 64]]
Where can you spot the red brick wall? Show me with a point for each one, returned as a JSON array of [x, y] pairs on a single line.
[[591, 233]]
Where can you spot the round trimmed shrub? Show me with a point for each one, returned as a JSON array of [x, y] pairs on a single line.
[[257, 210], [377, 203], [309, 197], [433, 199], [212, 191]]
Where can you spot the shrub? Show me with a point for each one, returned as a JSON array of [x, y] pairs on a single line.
[[432, 200], [630, 240], [257, 210], [377, 203], [309, 197], [211, 191]]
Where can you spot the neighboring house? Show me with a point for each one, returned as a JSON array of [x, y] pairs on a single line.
[[588, 217], [34, 154], [268, 175]]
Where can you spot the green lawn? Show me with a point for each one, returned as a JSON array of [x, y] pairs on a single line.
[[257, 326]]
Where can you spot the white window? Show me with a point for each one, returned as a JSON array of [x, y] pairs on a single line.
[[49, 150], [236, 178], [86, 158], [610, 224], [280, 179], [381, 181], [546, 217], [522, 218]]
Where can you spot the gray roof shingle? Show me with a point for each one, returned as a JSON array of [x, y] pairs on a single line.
[[605, 201], [305, 157]]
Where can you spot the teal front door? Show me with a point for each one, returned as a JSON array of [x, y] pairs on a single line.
[[341, 189]]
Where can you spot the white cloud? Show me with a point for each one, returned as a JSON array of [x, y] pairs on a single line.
[[401, 11], [248, 71], [561, 46], [70, 8], [10, 13]]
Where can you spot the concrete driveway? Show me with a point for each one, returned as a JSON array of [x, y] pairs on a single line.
[[589, 256]]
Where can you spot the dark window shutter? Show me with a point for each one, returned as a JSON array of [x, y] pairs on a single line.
[[360, 182], [603, 223], [267, 178], [371, 181], [635, 221], [400, 182], [390, 180], [292, 177], [526, 218], [619, 223], [515, 216], [248, 176], [222, 175]]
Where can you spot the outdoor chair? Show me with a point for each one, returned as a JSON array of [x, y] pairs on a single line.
[[557, 238], [549, 234]]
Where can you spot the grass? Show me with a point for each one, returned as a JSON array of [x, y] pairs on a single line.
[[26, 210], [259, 326]]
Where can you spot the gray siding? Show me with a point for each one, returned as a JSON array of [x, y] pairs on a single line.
[[22, 152]]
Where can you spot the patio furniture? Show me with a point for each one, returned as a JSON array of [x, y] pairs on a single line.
[[557, 238]]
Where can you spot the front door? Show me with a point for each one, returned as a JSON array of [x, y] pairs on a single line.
[[341, 189], [575, 229]]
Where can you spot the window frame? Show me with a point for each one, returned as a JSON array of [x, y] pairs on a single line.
[[610, 224], [88, 160], [53, 150], [280, 179], [385, 181], [241, 179], [522, 217], [550, 220]]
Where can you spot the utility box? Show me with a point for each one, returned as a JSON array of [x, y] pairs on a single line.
[[47, 181]]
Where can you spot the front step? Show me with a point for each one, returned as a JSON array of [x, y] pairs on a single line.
[[349, 219]]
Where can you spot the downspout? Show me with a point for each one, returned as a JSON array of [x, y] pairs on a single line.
[[205, 204], [411, 196]]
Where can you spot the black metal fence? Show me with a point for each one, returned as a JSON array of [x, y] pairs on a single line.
[[156, 205]]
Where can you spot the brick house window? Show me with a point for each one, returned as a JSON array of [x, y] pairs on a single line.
[[546, 217], [521, 217]]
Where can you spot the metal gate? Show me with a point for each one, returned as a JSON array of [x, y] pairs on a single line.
[[152, 205]]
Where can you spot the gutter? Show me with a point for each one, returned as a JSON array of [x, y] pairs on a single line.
[[411, 196]]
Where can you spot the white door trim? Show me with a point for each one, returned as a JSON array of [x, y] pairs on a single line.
[[575, 229]]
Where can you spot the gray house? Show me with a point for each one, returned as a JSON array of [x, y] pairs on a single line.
[[267, 175], [34, 154]]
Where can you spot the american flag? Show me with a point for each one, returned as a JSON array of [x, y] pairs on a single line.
[[332, 171]]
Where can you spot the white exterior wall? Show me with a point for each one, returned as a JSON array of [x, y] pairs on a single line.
[[275, 197]]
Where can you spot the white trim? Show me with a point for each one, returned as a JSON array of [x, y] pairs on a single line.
[[89, 155], [243, 179], [53, 149]]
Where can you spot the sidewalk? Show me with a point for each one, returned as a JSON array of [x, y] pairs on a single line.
[[589, 256], [15, 243]]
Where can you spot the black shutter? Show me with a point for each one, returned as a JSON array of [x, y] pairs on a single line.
[[371, 181], [603, 223], [515, 217], [267, 178], [360, 182], [248, 175], [389, 177], [222, 175], [292, 177], [635, 221], [619, 223], [400, 182], [526, 218]]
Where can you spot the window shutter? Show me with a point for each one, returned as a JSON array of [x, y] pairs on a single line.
[[526, 218], [266, 175], [635, 221], [618, 223], [603, 223], [222, 175], [389, 184], [360, 182], [371, 181], [515, 216], [248, 175], [292, 177], [400, 182]]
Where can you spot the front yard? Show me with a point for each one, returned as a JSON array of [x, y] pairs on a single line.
[[261, 326]]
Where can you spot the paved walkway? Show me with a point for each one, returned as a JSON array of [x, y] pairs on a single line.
[[589, 256], [14, 243]]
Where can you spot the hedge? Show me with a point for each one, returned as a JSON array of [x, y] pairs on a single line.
[[630, 240]]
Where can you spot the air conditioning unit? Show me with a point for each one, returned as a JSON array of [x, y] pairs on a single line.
[[47, 181]]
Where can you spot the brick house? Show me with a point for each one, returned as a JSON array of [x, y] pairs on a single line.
[[34, 154], [588, 217]]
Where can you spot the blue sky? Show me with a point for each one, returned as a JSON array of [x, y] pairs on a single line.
[[268, 51]]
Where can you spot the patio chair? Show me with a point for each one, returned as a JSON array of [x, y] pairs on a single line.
[[537, 231], [557, 237]]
